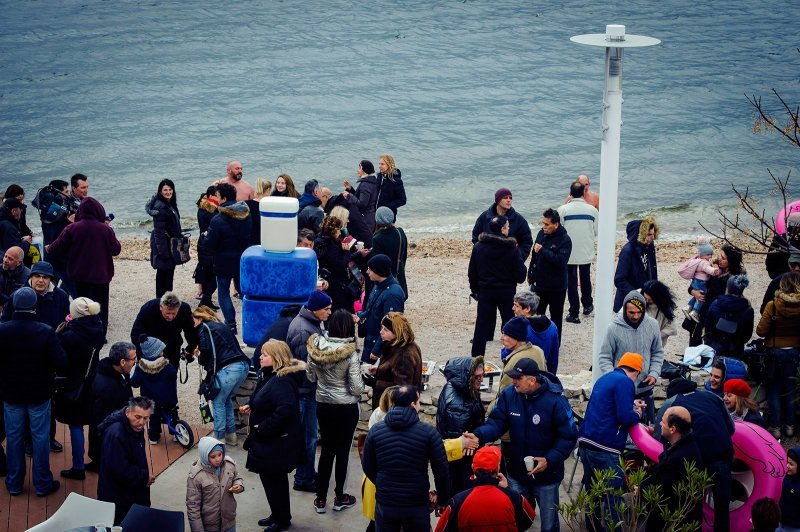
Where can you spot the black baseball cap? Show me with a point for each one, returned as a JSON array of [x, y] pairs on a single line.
[[526, 366]]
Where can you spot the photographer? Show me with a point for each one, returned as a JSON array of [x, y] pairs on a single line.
[[57, 209]]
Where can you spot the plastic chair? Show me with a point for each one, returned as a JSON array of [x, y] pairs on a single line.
[[144, 519], [77, 511]]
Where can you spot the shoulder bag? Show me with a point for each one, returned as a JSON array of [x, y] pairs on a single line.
[[179, 247], [68, 390], [211, 385]]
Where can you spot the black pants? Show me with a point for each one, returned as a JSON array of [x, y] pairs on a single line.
[[406, 518], [721, 491], [276, 487], [156, 419], [164, 281], [94, 444], [491, 300], [584, 270], [99, 293], [554, 300], [337, 423]]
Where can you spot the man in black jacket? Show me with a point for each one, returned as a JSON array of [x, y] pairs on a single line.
[[518, 225], [547, 273], [30, 356], [14, 273], [111, 391], [166, 318], [52, 302], [125, 476], [396, 456], [495, 269]]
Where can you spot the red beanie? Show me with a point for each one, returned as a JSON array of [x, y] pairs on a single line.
[[737, 387]]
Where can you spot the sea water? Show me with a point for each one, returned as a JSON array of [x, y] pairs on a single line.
[[467, 95]]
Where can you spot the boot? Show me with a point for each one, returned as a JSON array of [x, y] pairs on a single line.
[[231, 439]]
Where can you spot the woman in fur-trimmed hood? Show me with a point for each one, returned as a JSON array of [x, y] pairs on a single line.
[[335, 366], [637, 259]]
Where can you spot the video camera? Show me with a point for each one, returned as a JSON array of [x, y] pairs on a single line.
[[53, 205]]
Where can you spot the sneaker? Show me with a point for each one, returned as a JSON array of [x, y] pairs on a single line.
[[74, 474], [319, 506], [56, 447], [788, 430], [588, 310], [231, 439], [54, 487], [153, 441], [694, 316], [311, 488], [343, 502], [572, 318], [775, 431]]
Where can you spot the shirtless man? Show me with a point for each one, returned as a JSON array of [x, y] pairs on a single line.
[[592, 198], [244, 190]]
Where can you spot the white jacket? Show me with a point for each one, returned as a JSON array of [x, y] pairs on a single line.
[[580, 220]]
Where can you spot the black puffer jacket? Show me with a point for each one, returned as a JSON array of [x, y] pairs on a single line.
[[225, 344], [275, 443], [10, 231], [166, 225], [278, 330], [333, 261], [396, 457], [366, 198], [637, 260], [125, 472], [81, 339], [548, 269], [495, 263], [205, 212], [391, 192], [357, 226], [518, 229], [228, 236], [151, 322], [111, 391], [460, 407]]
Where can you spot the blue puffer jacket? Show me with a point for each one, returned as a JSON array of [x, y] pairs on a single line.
[[158, 380], [736, 309], [631, 273], [610, 412], [386, 296], [228, 236], [459, 410], [396, 456], [541, 424], [543, 333]]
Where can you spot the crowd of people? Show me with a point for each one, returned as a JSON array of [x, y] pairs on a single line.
[[315, 361]]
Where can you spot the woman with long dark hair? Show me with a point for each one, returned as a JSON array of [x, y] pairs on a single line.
[[334, 257], [163, 207], [335, 366], [729, 262], [661, 307], [284, 187]]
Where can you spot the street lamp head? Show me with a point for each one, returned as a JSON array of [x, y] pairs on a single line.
[[615, 37]]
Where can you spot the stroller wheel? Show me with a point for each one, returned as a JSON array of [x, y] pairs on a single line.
[[184, 434]]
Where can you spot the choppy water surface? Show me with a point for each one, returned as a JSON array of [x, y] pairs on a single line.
[[467, 95]]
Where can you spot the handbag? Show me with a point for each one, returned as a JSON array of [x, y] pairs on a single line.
[[211, 385], [67, 390], [724, 325], [179, 247]]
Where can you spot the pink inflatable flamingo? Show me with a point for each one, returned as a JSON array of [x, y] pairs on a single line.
[[780, 220], [759, 467]]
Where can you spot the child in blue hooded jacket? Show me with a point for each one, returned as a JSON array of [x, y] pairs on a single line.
[[158, 380]]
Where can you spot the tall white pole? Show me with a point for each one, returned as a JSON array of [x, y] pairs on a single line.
[[614, 41]]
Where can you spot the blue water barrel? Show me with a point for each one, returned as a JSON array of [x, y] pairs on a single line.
[[258, 315], [271, 275]]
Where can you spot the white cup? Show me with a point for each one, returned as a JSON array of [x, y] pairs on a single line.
[[116, 529], [101, 527], [529, 463]]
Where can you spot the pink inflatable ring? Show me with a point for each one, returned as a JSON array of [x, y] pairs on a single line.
[[780, 220]]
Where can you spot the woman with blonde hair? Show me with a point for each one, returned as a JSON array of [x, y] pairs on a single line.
[[391, 192], [222, 357], [275, 445], [284, 187], [401, 358], [263, 188], [741, 407]]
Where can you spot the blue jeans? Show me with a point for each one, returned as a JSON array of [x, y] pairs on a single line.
[[304, 476], [696, 304], [76, 439], [781, 388], [225, 303], [592, 461], [39, 418], [231, 377], [546, 496]]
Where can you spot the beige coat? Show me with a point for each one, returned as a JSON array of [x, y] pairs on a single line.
[[209, 505]]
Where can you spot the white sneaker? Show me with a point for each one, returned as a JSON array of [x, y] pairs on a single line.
[[694, 315]]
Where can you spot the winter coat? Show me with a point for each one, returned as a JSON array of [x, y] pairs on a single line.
[[666, 326], [637, 261], [391, 192], [460, 407], [81, 339], [487, 506], [543, 333], [734, 308], [10, 232], [790, 499], [111, 391], [777, 259], [166, 225], [228, 237], [52, 307], [580, 221], [396, 457], [356, 225], [276, 443], [224, 343], [495, 262], [610, 413], [124, 472], [518, 229], [386, 296], [205, 212], [399, 365], [540, 423], [365, 197], [715, 287], [697, 268], [10, 282], [88, 245], [210, 507], [336, 368], [712, 425], [548, 268], [302, 327], [30, 355], [523, 350], [333, 267], [255, 222], [158, 380], [310, 213], [621, 338], [278, 330], [151, 322], [784, 330], [392, 242]]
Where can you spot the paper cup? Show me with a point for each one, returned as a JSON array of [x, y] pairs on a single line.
[[529, 463]]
